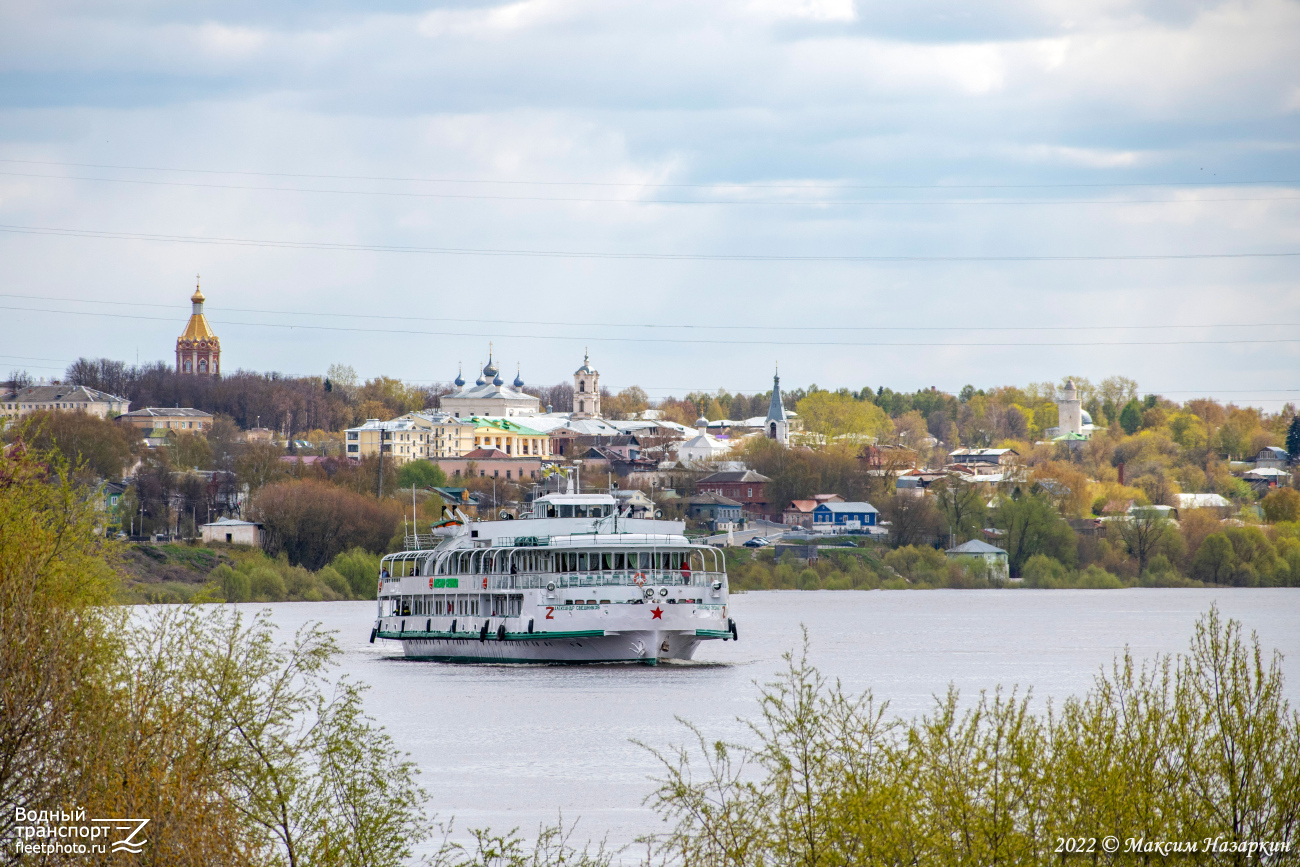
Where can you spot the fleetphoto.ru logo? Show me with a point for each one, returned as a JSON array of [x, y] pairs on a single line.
[[58, 832]]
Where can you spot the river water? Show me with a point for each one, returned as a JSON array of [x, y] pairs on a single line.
[[506, 746]]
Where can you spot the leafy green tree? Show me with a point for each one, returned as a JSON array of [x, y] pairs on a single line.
[[1142, 532], [234, 585], [633, 399], [1044, 572], [1031, 526], [266, 585], [1215, 560], [91, 445], [1130, 418], [189, 451], [963, 508], [280, 756], [56, 574], [259, 464], [422, 474], [832, 415], [912, 520], [361, 570], [1282, 505]]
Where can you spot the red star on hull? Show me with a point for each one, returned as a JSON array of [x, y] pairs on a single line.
[[657, 613]]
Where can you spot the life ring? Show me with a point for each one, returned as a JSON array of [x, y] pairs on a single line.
[[484, 582], [639, 580]]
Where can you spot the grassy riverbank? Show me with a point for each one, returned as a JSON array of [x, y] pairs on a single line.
[[175, 573]]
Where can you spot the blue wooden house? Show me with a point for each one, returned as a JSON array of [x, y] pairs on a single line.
[[844, 516]]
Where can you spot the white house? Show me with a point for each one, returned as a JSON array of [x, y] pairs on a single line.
[[995, 557], [1202, 501], [233, 532]]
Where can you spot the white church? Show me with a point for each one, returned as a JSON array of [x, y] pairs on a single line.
[[491, 397], [1073, 422]]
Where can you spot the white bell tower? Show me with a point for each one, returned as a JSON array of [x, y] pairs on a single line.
[[586, 390], [1069, 410]]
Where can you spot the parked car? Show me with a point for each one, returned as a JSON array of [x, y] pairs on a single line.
[[757, 542]]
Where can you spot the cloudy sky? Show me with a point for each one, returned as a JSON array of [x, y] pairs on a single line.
[[870, 193]]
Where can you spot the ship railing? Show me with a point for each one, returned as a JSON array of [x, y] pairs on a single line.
[[521, 541], [593, 540], [649, 577], [423, 541]]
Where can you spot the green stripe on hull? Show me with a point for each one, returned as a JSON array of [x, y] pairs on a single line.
[[439, 658], [712, 633], [412, 635]]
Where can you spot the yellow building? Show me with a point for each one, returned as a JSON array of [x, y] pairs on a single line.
[[423, 435], [174, 418], [510, 437], [414, 436]]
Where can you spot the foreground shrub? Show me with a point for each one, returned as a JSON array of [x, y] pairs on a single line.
[[237, 748], [1184, 747]]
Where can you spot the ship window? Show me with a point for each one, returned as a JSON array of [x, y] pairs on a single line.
[[582, 562], [620, 560], [566, 511], [607, 562]]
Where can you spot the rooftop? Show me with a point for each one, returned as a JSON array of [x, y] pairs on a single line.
[[66, 393], [232, 522], [166, 412], [974, 546], [735, 476], [850, 508], [708, 498]]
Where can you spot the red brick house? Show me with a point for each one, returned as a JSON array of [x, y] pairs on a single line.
[[744, 486]]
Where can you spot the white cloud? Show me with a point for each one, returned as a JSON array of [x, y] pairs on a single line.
[[760, 100], [803, 10]]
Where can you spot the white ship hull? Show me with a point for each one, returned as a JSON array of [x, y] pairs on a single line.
[[647, 648]]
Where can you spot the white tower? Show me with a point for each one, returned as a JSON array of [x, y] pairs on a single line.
[[1069, 410], [586, 391]]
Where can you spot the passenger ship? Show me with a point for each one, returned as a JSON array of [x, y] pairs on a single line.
[[574, 581]]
